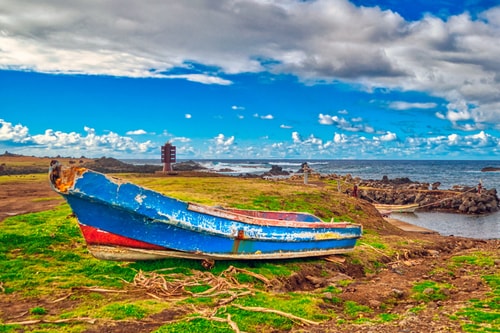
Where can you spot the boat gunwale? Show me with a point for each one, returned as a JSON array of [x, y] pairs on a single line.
[[217, 212]]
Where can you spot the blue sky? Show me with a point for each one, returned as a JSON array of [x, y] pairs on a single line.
[[324, 79]]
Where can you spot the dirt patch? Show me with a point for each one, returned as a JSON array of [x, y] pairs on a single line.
[[138, 326], [26, 196]]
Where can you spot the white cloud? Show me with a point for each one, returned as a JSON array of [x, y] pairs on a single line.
[[200, 78], [388, 145], [453, 139], [180, 139], [285, 126], [401, 105], [339, 138], [221, 146], [296, 137], [265, 117], [61, 143], [187, 116], [137, 132], [221, 140], [14, 133], [342, 123], [389, 136], [236, 107]]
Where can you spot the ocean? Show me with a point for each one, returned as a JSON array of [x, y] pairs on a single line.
[[448, 173]]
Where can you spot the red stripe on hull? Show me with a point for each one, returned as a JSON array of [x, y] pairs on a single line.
[[96, 236]]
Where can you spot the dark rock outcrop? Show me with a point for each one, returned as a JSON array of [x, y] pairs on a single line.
[[188, 166], [112, 165], [276, 170], [489, 169]]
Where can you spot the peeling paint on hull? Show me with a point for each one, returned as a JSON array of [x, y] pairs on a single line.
[[122, 221]]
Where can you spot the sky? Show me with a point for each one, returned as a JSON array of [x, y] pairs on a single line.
[[251, 79]]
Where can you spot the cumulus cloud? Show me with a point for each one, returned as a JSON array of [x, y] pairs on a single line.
[[265, 117], [137, 132], [59, 142], [342, 123], [200, 78], [315, 40], [354, 145], [222, 140], [181, 139], [296, 138], [15, 133], [389, 136], [339, 138], [221, 146], [401, 105]]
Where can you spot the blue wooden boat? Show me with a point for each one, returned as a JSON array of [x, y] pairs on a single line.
[[123, 221]]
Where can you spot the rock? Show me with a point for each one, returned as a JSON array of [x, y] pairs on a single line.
[[490, 169], [188, 166], [374, 303], [304, 168], [112, 165], [436, 185], [400, 192], [276, 170], [428, 291], [398, 293]]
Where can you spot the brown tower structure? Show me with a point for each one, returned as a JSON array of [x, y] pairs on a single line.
[[167, 156]]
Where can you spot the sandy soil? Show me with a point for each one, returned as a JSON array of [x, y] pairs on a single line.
[[26, 197]]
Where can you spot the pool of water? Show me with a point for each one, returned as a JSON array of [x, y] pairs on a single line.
[[446, 224]]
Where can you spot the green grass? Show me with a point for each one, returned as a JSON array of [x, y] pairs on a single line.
[[124, 311], [38, 310], [48, 245], [427, 291], [354, 310], [475, 259], [196, 325], [483, 315]]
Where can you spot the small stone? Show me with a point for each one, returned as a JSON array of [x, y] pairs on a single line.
[[398, 293], [428, 291]]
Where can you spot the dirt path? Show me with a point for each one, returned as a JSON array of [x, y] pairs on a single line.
[[26, 197]]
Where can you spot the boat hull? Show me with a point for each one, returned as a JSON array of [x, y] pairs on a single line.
[[410, 208], [129, 222]]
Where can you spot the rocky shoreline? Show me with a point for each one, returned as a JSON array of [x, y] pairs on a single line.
[[399, 191], [463, 200]]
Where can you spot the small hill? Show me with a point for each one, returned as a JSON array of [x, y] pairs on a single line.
[[12, 164]]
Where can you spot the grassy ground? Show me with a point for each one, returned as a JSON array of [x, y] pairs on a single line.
[[392, 281]]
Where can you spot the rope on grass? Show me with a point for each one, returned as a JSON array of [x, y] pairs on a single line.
[[178, 285], [280, 313]]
